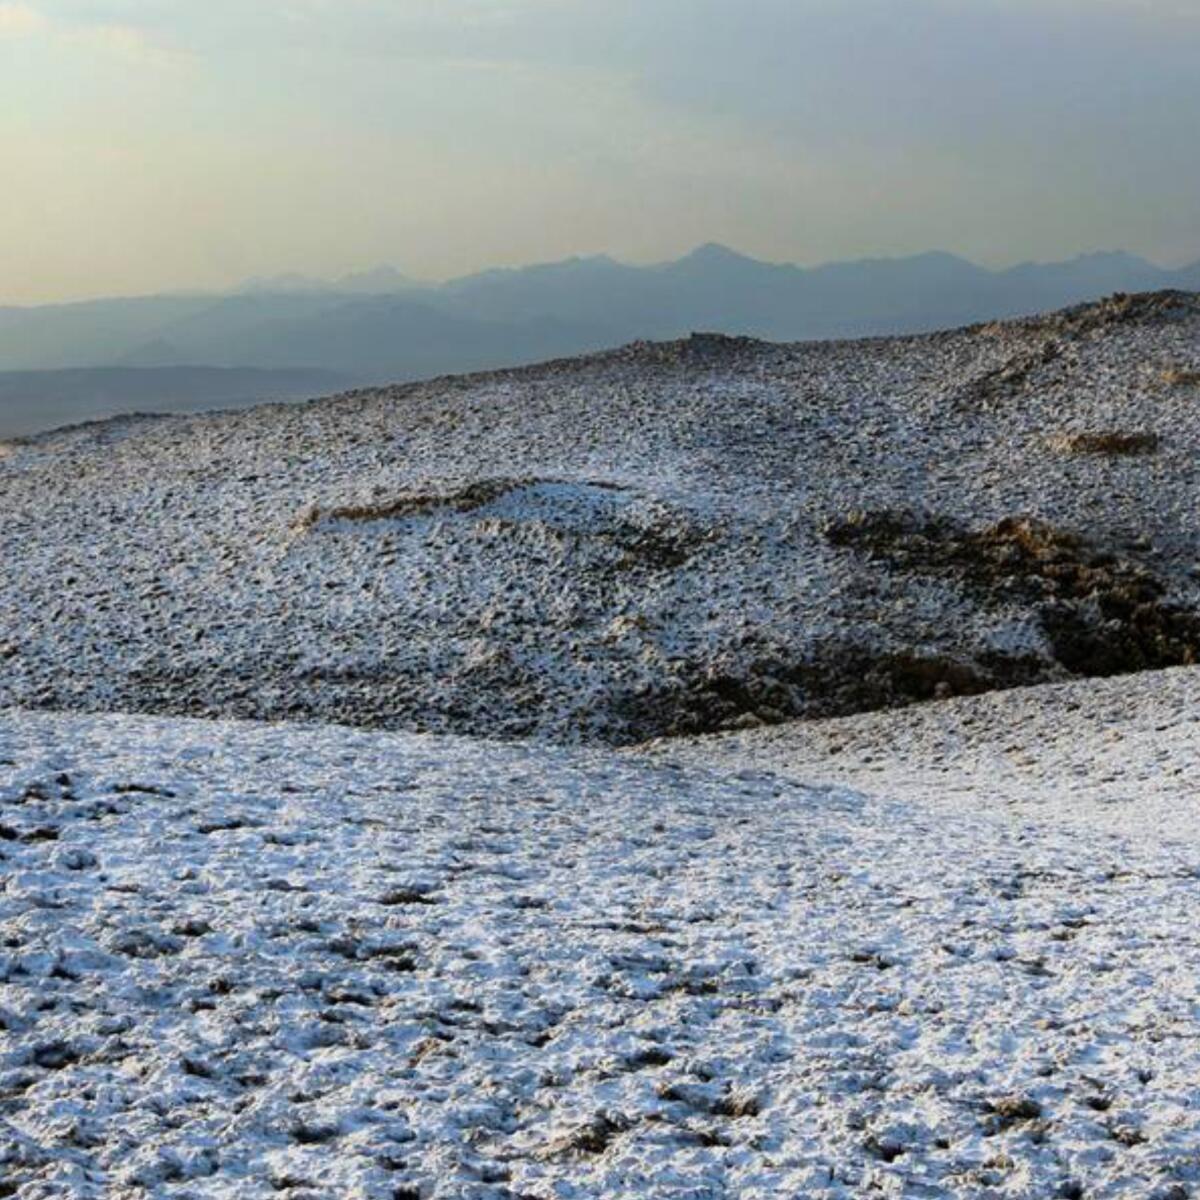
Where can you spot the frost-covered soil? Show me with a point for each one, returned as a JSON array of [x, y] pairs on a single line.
[[250, 960], [1122, 755], [657, 540], [946, 950]]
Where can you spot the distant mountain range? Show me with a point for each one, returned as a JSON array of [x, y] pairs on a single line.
[[380, 326]]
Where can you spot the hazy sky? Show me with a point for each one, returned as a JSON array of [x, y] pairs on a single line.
[[155, 144]]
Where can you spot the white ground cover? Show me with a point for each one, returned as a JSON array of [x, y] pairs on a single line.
[[251, 960], [1119, 754], [658, 561]]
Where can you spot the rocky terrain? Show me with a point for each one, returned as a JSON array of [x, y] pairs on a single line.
[[661, 540], [623, 928], [327, 964]]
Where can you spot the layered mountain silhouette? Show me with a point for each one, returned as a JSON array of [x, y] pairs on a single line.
[[379, 325]]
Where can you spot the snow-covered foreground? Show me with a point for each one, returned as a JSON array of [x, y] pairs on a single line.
[[243, 961]]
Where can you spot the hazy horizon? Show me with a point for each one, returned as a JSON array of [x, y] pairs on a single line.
[[297, 278], [155, 146]]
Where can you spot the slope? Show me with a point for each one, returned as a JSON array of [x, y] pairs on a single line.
[[668, 539]]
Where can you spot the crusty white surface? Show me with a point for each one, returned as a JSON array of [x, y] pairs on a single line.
[[1121, 755], [630, 979], [159, 565]]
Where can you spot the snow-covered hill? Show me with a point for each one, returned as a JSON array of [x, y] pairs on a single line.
[[254, 961], [944, 950], [666, 539]]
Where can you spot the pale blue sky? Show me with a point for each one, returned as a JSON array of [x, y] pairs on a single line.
[[156, 144]]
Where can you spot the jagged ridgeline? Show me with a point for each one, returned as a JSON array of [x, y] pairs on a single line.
[[668, 538]]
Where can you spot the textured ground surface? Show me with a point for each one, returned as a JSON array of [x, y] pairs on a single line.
[[244, 961], [948, 950], [660, 540], [1114, 754]]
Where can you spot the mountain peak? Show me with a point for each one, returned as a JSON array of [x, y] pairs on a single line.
[[1107, 256], [715, 252]]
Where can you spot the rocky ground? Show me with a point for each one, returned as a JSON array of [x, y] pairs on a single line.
[[250, 961], [661, 540], [937, 950]]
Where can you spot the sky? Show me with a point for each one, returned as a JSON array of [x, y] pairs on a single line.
[[153, 145]]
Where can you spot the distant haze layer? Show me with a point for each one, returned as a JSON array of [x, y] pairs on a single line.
[[33, 401], [294, 336]]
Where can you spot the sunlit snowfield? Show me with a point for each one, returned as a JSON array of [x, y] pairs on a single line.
[[244, 960], [662, 540]]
